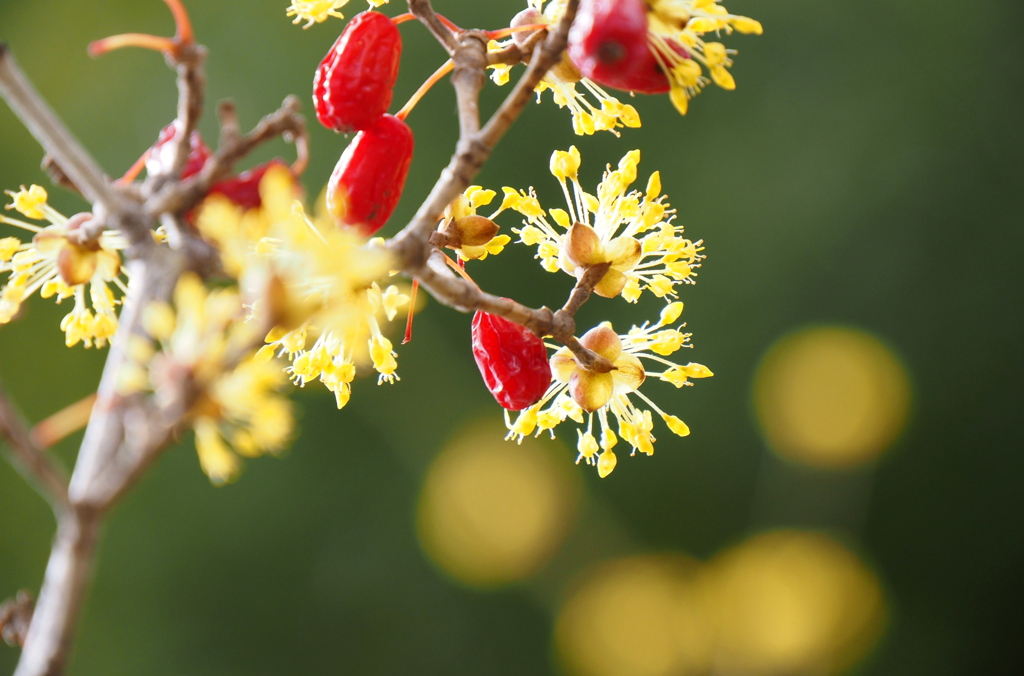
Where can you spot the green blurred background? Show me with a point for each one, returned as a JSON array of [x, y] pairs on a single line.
[[866, 173]]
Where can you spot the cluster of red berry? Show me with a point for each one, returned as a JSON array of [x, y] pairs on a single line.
[[351, 92], [242, 189]]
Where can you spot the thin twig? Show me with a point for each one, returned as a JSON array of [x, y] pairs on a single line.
[[42, 472], [285, 121], [15, 617], [423, 11], [68, 570], [584, 287], [410, 245], [188, 62], [468, 79]]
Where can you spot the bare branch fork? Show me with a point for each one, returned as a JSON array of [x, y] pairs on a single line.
[[118, 447]]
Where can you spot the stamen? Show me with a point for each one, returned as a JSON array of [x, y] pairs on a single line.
[[424, 88], [182, 25], [134, 170], [63, 423], [157, 44], [412, 311]]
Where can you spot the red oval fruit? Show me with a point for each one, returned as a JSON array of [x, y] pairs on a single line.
[[160, 154], [609, 44], [244, 189], [609, 37], [353, 84], [367, 181], [512, 360]]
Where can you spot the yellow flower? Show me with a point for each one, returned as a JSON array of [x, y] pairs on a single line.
[[472, 236], [327, 299], [318, 11], [569, 89], [56, 265], [581, 395], [236, 409], [631, 231]]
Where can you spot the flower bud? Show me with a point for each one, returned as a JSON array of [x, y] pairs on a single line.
[[583, 246], [591, 390], [472, 230], [603, 340]]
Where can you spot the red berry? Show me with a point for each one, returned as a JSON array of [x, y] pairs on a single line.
[[609, 44], [368, 179], [608, 37], [512, 360], [160, 154], [244, 189], [353, 84]]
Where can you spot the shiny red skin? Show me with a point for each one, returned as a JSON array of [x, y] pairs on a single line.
[[244, 189], [159, 154], [512, 360], [608, 43], [609, 38], [646, 77], [367, 181], [353, 85]]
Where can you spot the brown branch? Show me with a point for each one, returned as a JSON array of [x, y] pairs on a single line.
[[15, 617], [544, 58], [587, 359], [423, 11], [53, 135], [584, 287], [410, 245], [48, 641], [414, 245], [285, 121], [35, 465], [188, 62], [468, 78]]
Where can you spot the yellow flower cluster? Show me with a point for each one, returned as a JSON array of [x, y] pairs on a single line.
[[310, 280], [631, 235], [328, 303], [239, 410], [318, 11], [631, 231], [56, 264], [606, 114], [579, 395], [332, 354]]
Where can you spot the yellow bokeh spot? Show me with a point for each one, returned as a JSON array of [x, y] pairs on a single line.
[[491, 513], [831, 397], [641, 616], [789, 602]]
